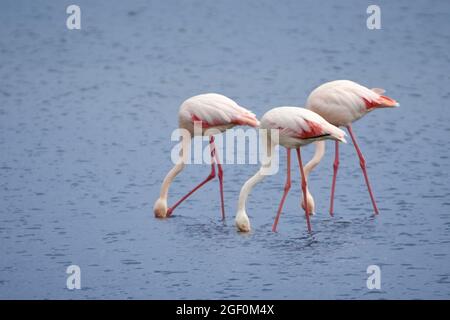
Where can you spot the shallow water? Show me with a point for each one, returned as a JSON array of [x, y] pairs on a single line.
[[85, 124]]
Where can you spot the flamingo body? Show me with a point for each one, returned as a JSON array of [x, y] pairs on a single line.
[[342, 102], [213, 111], [298, 126]]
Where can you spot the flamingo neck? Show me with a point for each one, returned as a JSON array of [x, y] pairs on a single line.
[[318, 155], [178, 167], [247, 188], [258, 177]]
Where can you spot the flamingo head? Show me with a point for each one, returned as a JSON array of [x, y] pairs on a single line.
[[160, 208], [242, 221], [311, 204]]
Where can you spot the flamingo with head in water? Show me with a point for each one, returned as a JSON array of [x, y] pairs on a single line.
[[213, 113], [296, 127], [341, 103]]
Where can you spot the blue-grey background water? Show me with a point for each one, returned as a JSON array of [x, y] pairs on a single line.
[[85, 123]]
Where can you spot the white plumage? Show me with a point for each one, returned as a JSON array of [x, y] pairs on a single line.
[[342, 102]]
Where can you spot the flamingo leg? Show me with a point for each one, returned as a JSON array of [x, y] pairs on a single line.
[[362, 163], [305, 198], [287, 186], [208, 178], [220, 175], [335, 170]]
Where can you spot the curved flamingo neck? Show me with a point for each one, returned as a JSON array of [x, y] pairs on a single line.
[[315, 160], [259, 175], [178, 167], [247, 188], [318, 155]]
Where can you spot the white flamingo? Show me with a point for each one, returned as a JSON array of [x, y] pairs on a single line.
[[296, 127], [341, 103], [213, 113]]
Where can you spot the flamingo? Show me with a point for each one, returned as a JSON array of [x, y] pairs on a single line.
[[213, 113], [296, 127], [341, 103]]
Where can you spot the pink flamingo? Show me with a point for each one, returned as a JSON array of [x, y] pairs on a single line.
[[213, 113], [296, 127], [341, 103]]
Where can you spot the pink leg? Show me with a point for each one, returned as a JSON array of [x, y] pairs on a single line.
[[335, 170], [305, 198], [220, 175], [362, 163], [209, 178], [287, 186]]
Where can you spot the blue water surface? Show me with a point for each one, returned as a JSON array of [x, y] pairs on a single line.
[[85, 123]]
